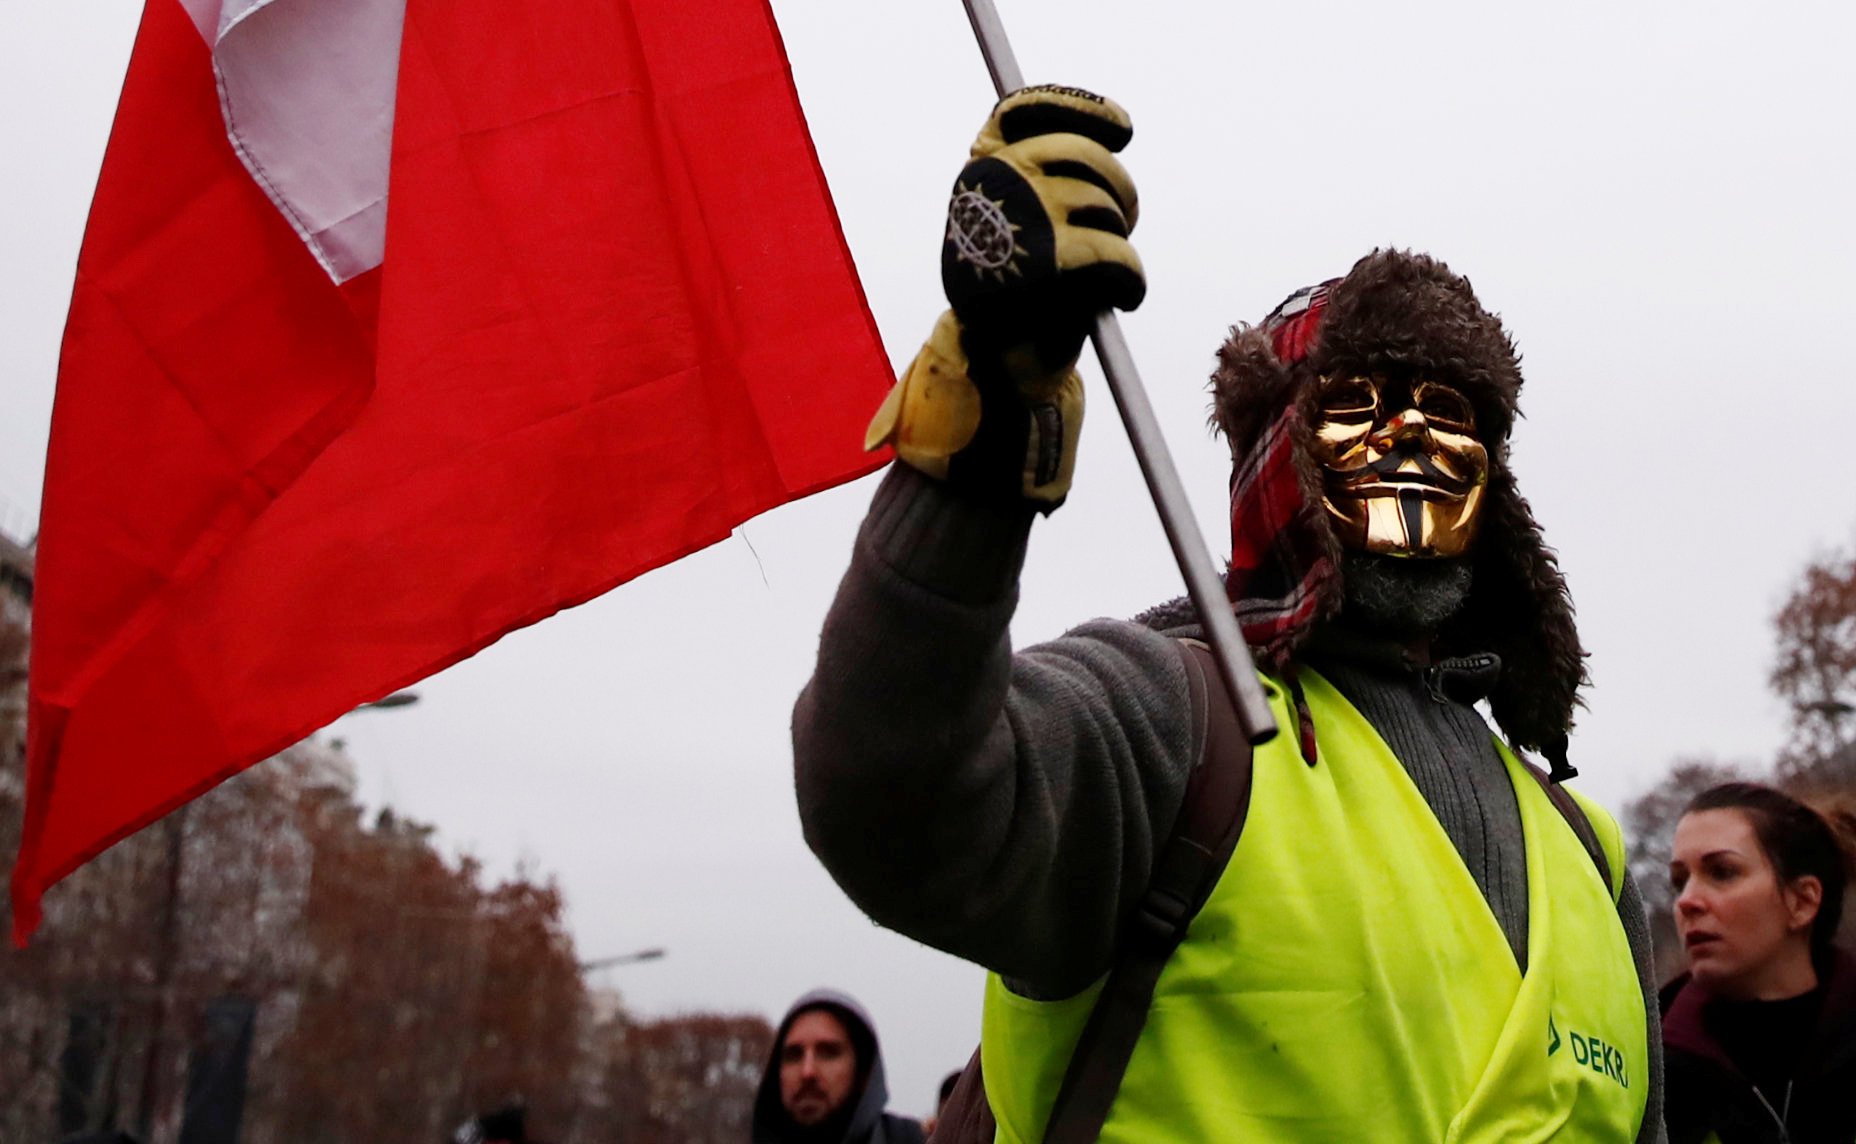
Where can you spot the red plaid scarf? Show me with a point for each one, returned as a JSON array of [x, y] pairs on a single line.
[[1279, 570]]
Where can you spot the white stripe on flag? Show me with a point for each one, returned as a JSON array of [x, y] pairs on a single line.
[[307, 88]]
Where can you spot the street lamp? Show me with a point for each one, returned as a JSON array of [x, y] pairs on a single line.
[[633, 958], [384, 703], [388, 702]]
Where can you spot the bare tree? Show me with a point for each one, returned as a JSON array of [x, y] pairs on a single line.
[[1815, 672], [1649, 823]]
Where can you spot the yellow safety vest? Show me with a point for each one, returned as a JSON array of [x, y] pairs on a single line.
[[1347, 980]]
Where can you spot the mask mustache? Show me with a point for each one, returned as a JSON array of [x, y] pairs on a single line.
[[1390, 464]]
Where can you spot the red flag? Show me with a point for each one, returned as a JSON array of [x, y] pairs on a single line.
[[613, 318]]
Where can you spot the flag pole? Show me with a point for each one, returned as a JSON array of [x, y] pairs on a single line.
[[1203, 583]]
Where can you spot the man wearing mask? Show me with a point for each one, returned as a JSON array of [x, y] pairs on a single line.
[[1418, 937], [824, 1080]]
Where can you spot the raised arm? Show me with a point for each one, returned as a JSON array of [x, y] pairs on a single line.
[[1003, 808]]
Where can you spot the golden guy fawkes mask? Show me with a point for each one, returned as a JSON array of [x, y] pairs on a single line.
[[1402, 469]]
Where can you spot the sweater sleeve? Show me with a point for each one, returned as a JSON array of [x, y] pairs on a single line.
[[1003, 808]]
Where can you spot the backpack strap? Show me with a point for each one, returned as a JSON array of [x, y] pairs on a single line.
[[1189, 864], [1575, 816], [967, 1117]]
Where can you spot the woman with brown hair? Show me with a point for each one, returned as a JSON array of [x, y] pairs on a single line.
[[1760, 1033]]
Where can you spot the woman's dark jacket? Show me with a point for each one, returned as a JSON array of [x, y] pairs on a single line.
[[1706, 1093]]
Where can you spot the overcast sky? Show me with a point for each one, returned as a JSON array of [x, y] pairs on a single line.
[[1655, 196]]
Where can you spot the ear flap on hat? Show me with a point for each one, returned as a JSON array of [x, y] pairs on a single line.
[[1519, 608]]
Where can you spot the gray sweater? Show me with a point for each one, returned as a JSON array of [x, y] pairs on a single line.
[[1006, 808]]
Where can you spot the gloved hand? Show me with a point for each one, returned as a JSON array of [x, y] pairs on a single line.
[[1036, 245]]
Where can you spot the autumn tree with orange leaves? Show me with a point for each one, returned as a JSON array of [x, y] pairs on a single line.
[[395, 992], [690, 1078]]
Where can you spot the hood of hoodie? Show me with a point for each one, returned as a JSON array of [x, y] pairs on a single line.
[[1685, 1027], [1398, 310], [772, 1124]]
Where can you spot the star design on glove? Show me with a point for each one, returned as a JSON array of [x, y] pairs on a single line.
[[982, 235]]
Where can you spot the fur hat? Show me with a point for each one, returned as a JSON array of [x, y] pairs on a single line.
[[1403, 313]]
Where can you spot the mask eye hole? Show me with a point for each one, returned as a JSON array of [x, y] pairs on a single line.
[[1349, 399], [1444, 407]]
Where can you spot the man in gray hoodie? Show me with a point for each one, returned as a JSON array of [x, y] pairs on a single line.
[[824, 1080]]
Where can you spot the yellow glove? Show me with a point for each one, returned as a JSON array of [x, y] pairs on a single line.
[[934, 416], [1036, 245]]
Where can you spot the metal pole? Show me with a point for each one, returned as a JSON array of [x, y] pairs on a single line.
[[1203, 583]]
